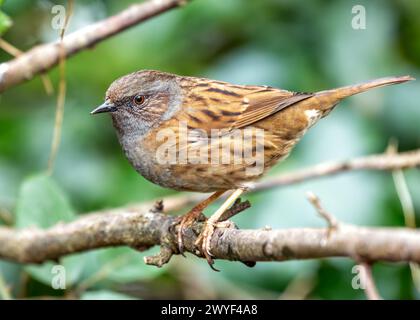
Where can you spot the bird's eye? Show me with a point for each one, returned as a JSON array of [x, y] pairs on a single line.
[[139, 99]]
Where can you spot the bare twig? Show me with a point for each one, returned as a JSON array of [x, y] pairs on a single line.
[[9, 48], [236, 208], [402, 189], [46, 82], [405, 198], [161, 258], [386, 161], [69, 13], [61, 97], [44, 57], [407, 207], [369, 282], [331, 220], [365, 268], [12, 50]]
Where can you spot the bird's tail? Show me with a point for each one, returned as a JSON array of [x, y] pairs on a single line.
[[348, 91], [328, 99]]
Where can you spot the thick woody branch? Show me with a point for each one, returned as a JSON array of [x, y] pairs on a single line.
[[142, 229], [42, 58]]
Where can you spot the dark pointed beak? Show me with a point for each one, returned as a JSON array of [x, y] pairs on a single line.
[[107, 106]]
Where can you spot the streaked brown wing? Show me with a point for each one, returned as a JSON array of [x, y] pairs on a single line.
[[220, 105], [266, 102]]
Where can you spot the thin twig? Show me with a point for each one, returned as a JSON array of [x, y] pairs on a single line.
[[402, 189], [69, 13], [61, 97], [15, 52], [331, 220], [368, 282], [405, 198], [367, 278], [44, 57], [236, 208], [407, 206], [9, 48], [381, 162]]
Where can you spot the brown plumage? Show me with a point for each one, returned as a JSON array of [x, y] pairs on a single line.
[[202, 135]]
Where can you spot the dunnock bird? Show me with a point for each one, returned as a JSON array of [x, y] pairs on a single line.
[[196, 134]]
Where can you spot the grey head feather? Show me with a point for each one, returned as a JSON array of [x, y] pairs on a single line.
[[133, 123]]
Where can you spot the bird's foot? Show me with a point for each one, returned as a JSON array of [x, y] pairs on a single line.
[[184, 222], [188, 219], [204, 239]]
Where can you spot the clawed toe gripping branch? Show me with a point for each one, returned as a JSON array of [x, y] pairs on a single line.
[[169, 241]]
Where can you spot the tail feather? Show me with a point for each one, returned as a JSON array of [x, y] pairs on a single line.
[[344, 92]]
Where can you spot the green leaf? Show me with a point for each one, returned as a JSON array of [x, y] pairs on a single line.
[[120, 265], [73, 266], [42, 203], [134, 268], [5, 22], [105, 295]]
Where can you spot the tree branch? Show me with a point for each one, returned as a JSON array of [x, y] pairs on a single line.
[[140, 227], [42, 58], [382, 162], [368, 282]]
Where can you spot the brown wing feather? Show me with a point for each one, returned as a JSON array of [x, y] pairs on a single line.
[[220, 105], [265, 103]]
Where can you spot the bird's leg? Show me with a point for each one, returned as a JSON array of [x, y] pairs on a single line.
[[190, 217], [205, 237]]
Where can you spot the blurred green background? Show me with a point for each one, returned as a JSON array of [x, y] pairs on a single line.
[[296, 45]]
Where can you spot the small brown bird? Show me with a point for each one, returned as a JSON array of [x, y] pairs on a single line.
[[196, 134]]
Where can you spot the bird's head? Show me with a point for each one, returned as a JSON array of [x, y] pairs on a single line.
[[141, 99]]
